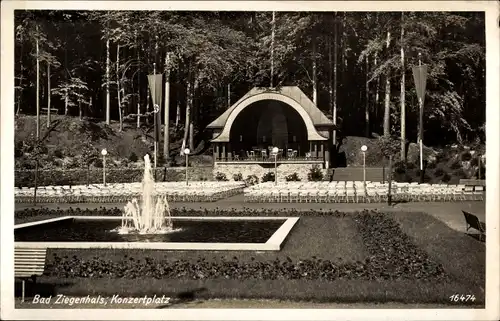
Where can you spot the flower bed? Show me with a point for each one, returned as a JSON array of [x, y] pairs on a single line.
[[392, 256], [98, 193]]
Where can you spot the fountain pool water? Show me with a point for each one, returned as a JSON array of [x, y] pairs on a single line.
[[152, 215]]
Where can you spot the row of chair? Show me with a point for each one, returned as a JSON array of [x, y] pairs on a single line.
[[355, 192], [175, 191]]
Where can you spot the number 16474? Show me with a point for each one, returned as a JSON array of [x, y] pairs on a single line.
[[462, 298]]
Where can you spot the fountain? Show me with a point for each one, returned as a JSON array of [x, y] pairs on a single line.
[[150, 217], [146, 223]]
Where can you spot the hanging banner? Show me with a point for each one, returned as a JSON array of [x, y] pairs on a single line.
[[155, 86], [420, 78]]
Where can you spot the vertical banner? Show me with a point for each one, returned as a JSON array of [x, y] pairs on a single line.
[[420, 78], [156, 87]]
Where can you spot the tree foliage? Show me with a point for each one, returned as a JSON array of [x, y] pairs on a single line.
[[209, 50]]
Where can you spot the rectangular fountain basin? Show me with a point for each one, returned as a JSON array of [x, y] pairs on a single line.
[[190, 233]]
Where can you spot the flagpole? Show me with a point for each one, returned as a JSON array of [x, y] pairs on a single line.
[[421, 121], [154, 111]]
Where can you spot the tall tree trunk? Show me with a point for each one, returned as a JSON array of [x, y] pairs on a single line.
[[19, 99], [48, 94], [193, 106], [66, 103], [314, 74], [166, 130], [344, 36], [377, 93], [138, 84], [80, 111], [335, 72], [228, 95], [403, 107], [188, 112], [148, 93], [330, 75], [178, 112], [37, 85], [387, 109], [108, 118], [118, 87], [272, 49], [367, 102]]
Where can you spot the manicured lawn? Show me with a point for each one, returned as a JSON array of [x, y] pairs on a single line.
[[463, 256], [334, 257]]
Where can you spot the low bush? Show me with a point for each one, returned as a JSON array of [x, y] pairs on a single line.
[[315, 174], [411, 165], [431, 165], [251, 180], [483, 173], [268, 177], [220, 177], [446, 178], [426, 177], [439, 172], [133, 157], [474, 161], [58, 153], [460, 174], [400, 167], [238, 177], [98, 163], [292, 178], [456, 165], [466, 156]]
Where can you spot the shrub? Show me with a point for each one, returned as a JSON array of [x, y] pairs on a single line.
[[389, 146], [400, 167], [292, 178], [252, 180], [268, 177], [439, 172], [220, 176], [315, 174], [411, 165], [483, 173], [18, 149], [456, 165], [466, 156], [133, 157], [431, 165], [474, 162], [446, 178], [238, 177], [459, 173], [58, 153], [98, 163]]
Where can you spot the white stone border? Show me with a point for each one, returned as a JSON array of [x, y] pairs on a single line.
[[274, 243], [277, 239]]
